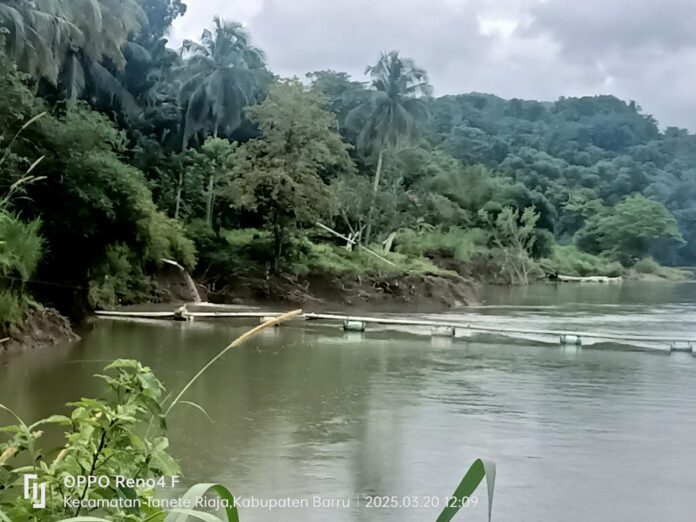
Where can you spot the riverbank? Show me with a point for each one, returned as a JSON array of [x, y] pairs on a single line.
[[40, 328], [413, 292]]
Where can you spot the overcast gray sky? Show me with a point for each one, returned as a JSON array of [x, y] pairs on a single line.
[[644, 50]]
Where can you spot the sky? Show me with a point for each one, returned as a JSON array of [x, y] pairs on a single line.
[[642, 50]]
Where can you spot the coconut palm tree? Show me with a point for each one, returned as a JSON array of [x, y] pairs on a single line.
[[222, 75], [391, 116], [68, 42], [38, 32]]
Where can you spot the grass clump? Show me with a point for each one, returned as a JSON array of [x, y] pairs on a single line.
[[673, 274], [12, 308], [568, 260], [647, 265], [455, 242], [336, 260]]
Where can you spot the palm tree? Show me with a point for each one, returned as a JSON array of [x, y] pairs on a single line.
[[38, 32], [391, 116], [222, 75], [70, 42]]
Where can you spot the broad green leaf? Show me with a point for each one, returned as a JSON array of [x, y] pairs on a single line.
[[123, 363], [84, 519], [473, 477], [53, 419], [165, 463]]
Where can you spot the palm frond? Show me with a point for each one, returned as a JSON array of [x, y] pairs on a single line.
[[72, 78], [135, 52], [12, 20], [107, 83]]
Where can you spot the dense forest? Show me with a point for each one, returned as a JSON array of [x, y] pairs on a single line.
[[118, 151]]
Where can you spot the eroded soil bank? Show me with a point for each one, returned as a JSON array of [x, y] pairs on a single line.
[[41, 328], [426, 292]]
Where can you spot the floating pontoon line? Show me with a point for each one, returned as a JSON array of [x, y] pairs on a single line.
[[408, 322], [493, 329], [141, 315]]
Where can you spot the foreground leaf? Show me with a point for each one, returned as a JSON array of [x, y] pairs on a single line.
[[473, 477]]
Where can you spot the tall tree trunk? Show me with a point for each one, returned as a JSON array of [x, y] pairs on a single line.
[[375, 191], [209, 203], [277, 241], [178, 194]]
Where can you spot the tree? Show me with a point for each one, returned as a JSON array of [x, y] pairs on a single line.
[[221, 76], [342, 94], [74, 46], [280, 176], [39, 34], [391, 116], [214, 158], [514, 234], [160, 16], [630, 230]]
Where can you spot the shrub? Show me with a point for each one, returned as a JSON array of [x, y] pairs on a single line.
[[568, 260], [118, 279], [12, 307], [456, 242], [647, 265], [20, 246], [337, 260]]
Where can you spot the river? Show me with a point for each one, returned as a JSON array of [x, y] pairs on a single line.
[[598, 433]]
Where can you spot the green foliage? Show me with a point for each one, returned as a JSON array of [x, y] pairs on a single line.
[[580, 154], [91, 200], [221, 76], [160, 15], [568, 260], [21, 247], [630, 230], [334, 260], [118, 279], [456, 243], [119, 434], [593, 170], [392, 114], [67, 44], [204, 169], [280, 177], [479, 470], [647, 265], [12, 308], [513, 234], [342, 94]]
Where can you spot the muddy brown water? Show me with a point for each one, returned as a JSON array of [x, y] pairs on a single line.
[[596, 434]]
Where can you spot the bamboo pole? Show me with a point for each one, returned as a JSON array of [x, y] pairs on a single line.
[[352, 242]]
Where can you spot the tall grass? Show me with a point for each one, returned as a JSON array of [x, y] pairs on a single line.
[[568, 260], [457, 243]]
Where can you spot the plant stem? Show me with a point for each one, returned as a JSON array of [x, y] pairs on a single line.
[[100, 448], [239, 340]]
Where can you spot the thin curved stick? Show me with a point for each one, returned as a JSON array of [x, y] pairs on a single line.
[[239, 340]]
